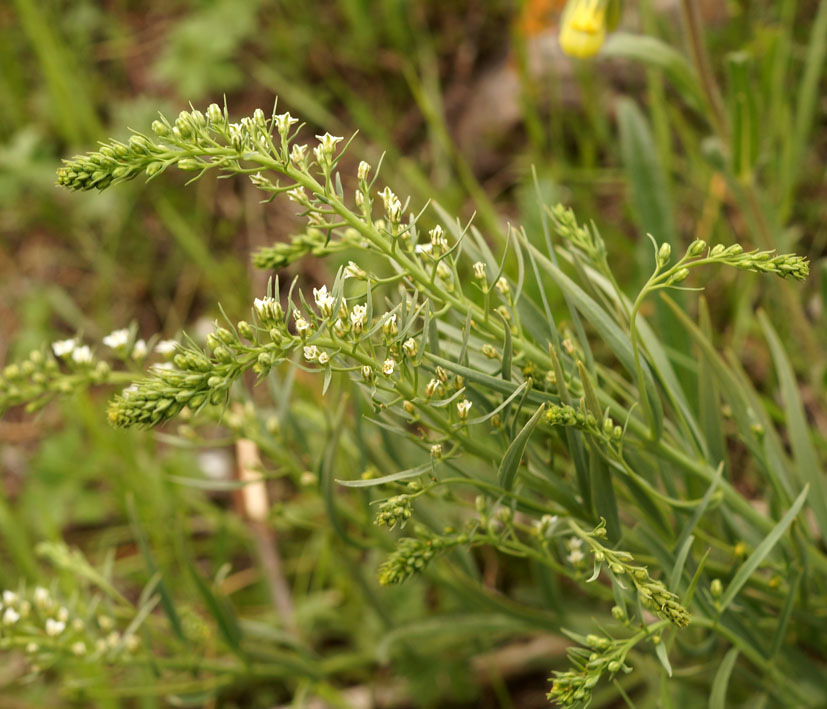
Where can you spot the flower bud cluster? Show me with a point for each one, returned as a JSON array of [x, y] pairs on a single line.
[[195, 377], [114, 162], [565, 415], [652, 593], [413, 554], [41, 376], [282, 254], [396, 510], [574, 687], [566, 227]]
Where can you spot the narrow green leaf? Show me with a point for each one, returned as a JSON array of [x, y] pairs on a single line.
[[743, 116], [220, 609], [143, 544], [589, 394], [603, 493], [798, 429], [762, 550], [717, 697], [700, 510], [680, 562], [508, 349], [609, 332], [657, 54], [709, 400], [393, 477], [784, 618], [660, 651], [647, 178], [514, 453]]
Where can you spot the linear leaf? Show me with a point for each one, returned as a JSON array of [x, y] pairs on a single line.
[[514, 453], [393, 477], [657, 54], [761, 551], [610, 333], [717, 697], [804, 453]]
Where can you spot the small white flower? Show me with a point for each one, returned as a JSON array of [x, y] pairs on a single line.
[[265, 307], [31, 648], [311, 353], [431, 387], [436, 450], [283, 123], [388, 366], [302, 326], [63, 614], [117, 338], [129, 391], [359, 196], [357, 317], [10, 616], [393, 207], [163, 367], [544, 524], [353, 271], [324, 358], [131, 642], [367, 373], [166, 347], [502, 286], [298, 155], [328, 143], [9, 598], [78, 648], [438, 240], [139, 351], [463, 407], [324, 300], [297, 194], [574, 543], [63, 348], [41, 595], [82, 355], [410, 347], [363, 171], [424, 248], [113, 639], [54, 627], [479, 270], [575, 557], [389, 327]]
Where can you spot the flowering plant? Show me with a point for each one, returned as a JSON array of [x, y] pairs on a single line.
[[527, 439]]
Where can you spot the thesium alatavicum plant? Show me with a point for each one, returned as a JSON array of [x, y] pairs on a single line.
[[591, 451]]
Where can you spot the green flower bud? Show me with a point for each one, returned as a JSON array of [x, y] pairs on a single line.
[[664, 254], [160, 129], [696, 248], [246, 330]]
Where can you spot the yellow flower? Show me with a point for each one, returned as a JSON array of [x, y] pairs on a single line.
[[583, 28]]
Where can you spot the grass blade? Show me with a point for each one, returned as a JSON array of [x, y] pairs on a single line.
[[514, 453], [798, 429], [717, 698], [762, 550]]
